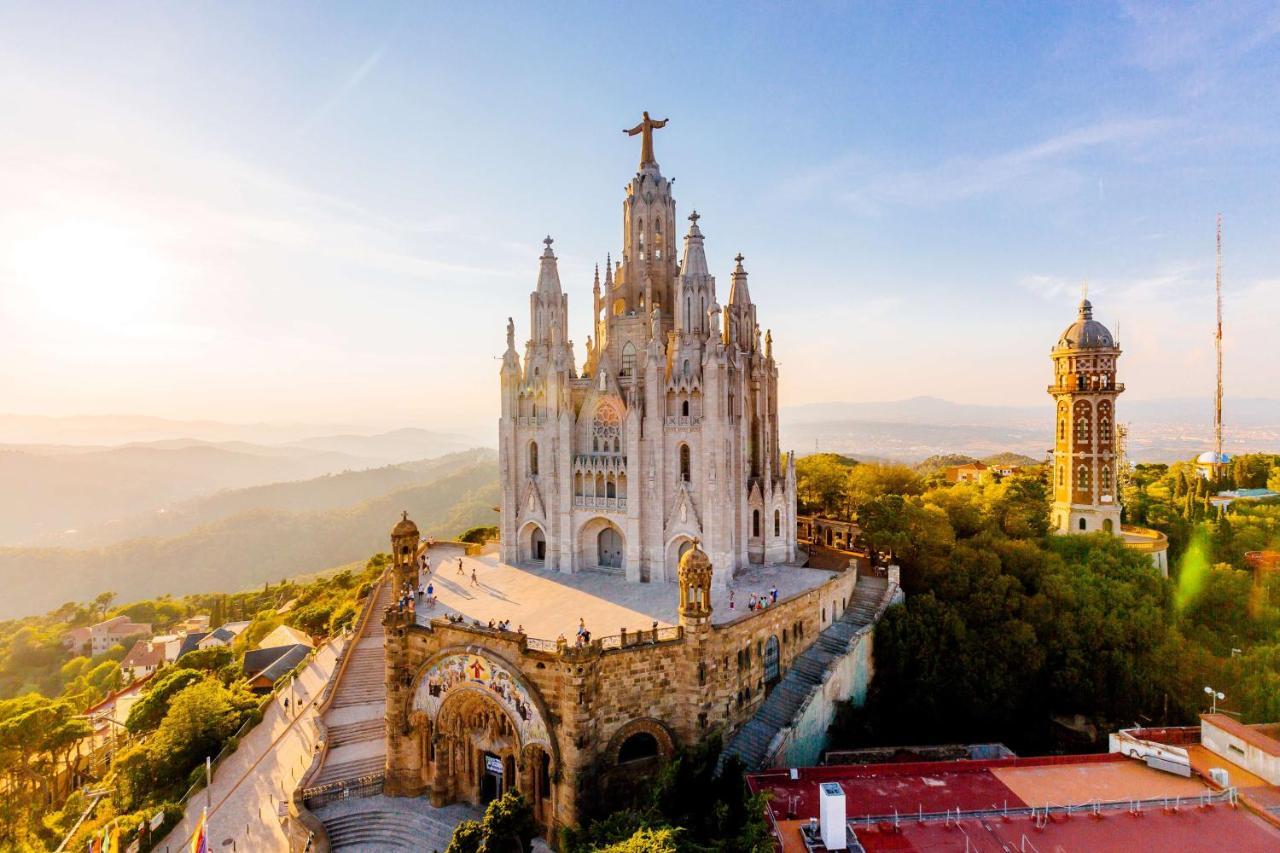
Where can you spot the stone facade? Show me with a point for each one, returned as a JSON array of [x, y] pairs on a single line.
[[666, 432], [473, 712]]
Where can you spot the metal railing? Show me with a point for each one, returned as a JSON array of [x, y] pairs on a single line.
[[1042, 814], [343, 789]]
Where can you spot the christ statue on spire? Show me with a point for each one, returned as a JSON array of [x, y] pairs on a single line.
[[646, 128]]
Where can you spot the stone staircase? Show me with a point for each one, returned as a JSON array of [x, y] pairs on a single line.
[[341, 735], [750, 744], [383, 824], [355, 719]]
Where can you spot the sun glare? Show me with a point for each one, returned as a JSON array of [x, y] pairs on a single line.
[[90, 274]]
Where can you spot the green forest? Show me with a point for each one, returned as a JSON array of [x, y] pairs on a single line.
[[1050, 642], [190, 709]]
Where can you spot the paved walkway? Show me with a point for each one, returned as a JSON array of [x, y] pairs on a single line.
[[250, 784], [549, 604]]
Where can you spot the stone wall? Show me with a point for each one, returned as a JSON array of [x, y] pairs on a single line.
[[802, 743], [678, 686]]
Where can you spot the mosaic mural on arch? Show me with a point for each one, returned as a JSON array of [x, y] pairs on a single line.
[[469, 670]]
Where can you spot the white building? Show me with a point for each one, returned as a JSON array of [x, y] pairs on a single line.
[[668, 431]]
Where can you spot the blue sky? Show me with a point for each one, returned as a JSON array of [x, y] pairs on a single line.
[[325, 212]]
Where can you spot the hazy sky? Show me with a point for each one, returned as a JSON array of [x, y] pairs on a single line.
[[325, 212]]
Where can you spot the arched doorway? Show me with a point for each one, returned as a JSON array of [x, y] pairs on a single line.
[[638, 747], [609, 552], [533, 543]]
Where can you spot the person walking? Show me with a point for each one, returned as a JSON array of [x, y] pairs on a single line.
[[460, 571], [474, 581]]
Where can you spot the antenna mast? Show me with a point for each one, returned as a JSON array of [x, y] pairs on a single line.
[[1217, 342]]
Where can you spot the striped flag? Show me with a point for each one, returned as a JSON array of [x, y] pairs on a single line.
[[200, 840]]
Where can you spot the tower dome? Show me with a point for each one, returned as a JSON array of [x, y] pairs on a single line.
[[405, 526], [695, 562], [1086, 332], [695, 585]]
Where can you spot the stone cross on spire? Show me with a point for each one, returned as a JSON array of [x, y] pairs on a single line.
[[547, 242], [645, 128], [694, 217]]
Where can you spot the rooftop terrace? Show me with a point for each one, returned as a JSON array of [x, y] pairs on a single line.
[[549, 604], [1068, 803]]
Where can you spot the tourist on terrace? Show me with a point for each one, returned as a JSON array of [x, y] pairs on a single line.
[[773, 594]]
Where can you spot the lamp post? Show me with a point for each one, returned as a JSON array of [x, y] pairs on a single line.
[[1214, 696]]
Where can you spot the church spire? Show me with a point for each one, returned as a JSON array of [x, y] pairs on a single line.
[[738, 293], [694, 262], [548, 273]]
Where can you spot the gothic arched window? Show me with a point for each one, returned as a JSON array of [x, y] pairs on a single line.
[[628, 359], [1082, 478], [777, 522], [755, 523], [684, 461], [1104, 477], [684, 408], [533, 458]]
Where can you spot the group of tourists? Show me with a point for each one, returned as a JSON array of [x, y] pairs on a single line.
[[758, 601], [584, 636]]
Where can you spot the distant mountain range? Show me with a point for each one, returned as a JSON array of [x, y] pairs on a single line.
[[913, 429], [933, 411], [246, 537], [48, 489]]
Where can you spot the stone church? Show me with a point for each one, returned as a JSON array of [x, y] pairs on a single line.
[[656, 459], [668, 429]]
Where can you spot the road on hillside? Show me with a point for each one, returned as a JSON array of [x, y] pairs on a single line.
[[250, 784]]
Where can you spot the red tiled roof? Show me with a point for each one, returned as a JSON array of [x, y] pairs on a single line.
[[143, 654]]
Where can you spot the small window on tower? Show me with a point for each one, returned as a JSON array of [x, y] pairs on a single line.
[[628, 359]]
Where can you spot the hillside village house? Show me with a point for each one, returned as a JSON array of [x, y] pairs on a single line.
[[98, 638], [286, 636], [973, 472], [222, 636], [142, 660]]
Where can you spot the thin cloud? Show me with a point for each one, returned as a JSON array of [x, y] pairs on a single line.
[[354, 79], [1044, 168]]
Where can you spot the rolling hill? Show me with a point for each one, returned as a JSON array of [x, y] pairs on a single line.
[[252, 546], [328, 491]]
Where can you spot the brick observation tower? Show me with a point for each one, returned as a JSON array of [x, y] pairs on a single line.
[[1085, 451]]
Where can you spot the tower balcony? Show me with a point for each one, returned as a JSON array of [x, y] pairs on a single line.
[[1077, 388], [605, 504], [683, 420], [532, 421]]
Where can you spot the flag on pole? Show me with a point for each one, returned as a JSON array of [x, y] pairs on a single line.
[[200, 840]]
